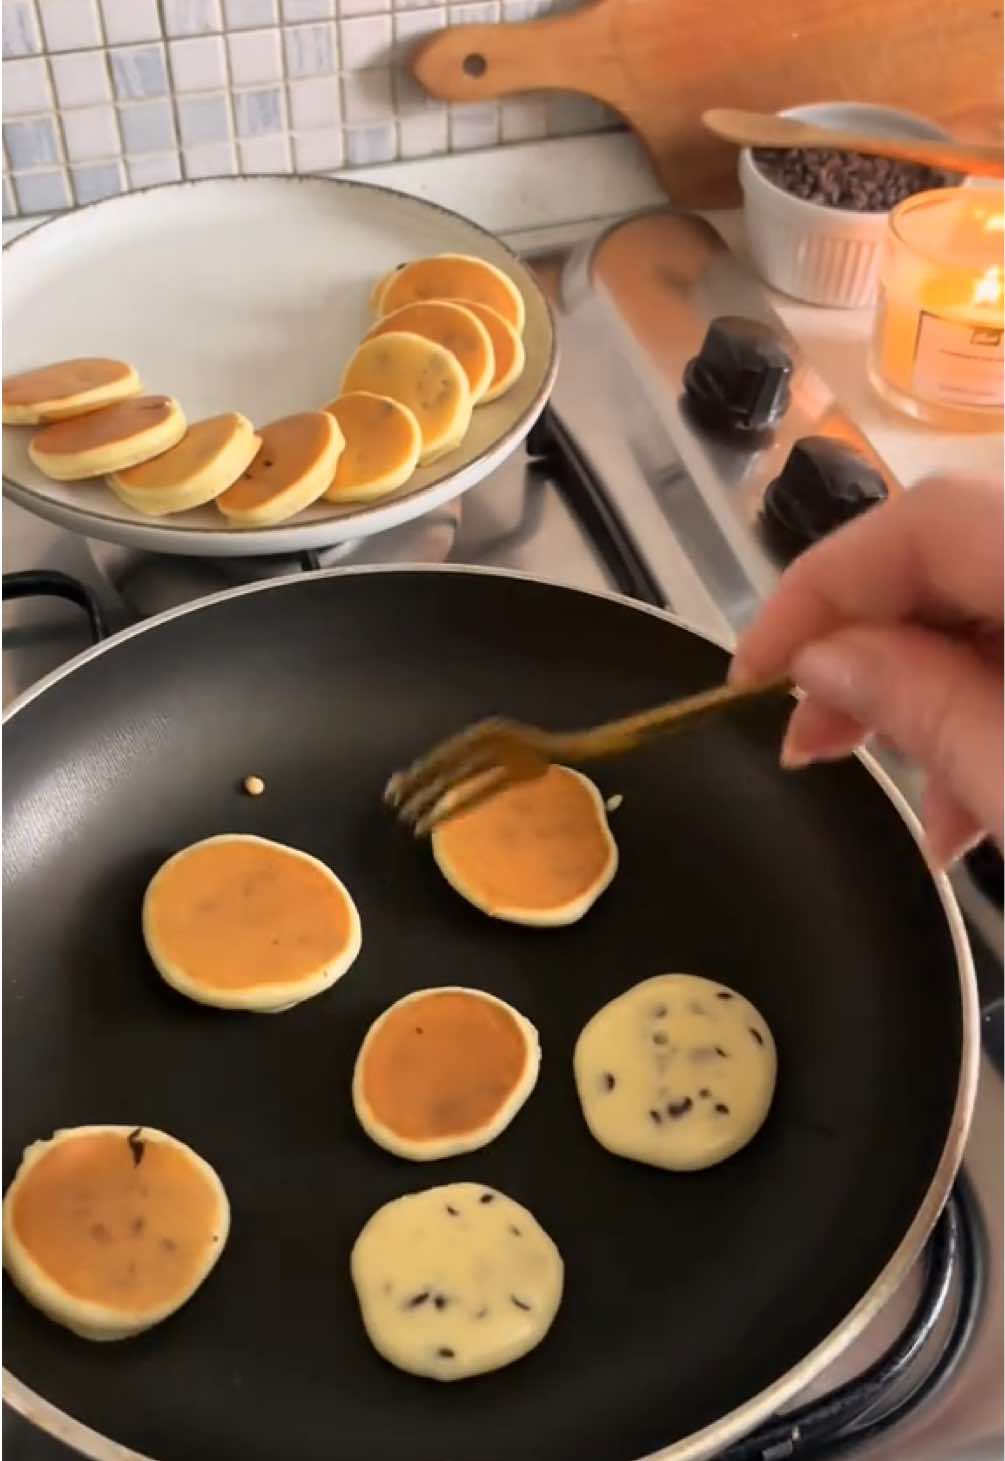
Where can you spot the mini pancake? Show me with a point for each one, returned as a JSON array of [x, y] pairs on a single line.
[[539, 853], [244, 923], [444, 1071], [209, 458], [507, 347], [456, 328], [294, 466], [420, 375], [455, 276], [70, 388], [377, 292], [108, 440], [455, 1281], [677, 1072], [109, 1229], [382, 445]]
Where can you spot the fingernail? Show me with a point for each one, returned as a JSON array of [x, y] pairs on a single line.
[[832, 673], [740, 673], [796, 754]]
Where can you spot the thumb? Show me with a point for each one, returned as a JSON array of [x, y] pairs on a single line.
[[935, 697]]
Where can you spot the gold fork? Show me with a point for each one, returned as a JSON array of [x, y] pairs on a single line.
[[478, 763]]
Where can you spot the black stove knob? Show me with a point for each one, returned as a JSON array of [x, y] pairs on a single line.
[[823, 485], [740, 377]]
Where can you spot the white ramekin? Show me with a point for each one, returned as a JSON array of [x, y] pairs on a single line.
[[818, 254]]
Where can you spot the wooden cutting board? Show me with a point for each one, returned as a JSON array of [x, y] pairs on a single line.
[[661, 63]]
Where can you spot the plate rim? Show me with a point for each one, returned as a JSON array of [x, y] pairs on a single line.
[[314, 533], [736, 1423]]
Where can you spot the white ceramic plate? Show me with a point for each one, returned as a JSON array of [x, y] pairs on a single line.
[[243, 294]]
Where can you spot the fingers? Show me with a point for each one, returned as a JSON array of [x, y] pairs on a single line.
[[934, 697], [933, 554], [950, 830], [817, 733]]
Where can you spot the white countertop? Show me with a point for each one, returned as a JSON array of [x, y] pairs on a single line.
[[552, 191]]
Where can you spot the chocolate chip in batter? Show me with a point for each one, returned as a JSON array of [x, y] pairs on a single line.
[[704, 1093], [608, 1081], [441, 1301], [444, 1353], [519, 1303], [660, 1037], [453, 1211], [136, 1147], [724, 1053], [660, 1012], [757, 1035], [679, 1108], [722, 1108], [487, 1197], [99, 1233], [514, 1230], [138, 1224], [724, 994], [656, 1117], [417, 1299]]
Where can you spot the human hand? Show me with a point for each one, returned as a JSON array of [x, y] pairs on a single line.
[[893, 626]]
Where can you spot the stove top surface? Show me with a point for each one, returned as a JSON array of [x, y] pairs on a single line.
[[619, 489]]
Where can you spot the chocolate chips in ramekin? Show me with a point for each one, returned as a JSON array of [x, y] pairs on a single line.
[[856, 181]]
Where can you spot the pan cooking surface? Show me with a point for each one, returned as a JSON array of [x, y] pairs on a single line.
[[685, 1294]]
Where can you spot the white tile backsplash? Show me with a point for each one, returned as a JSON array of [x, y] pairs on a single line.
[[128, 21], [318, 151], [95, 181], [365, 42], [25, 87], [310, 50], [31, 143], [159, 167], [255, 55], [315, 103], [69, 25], [216, 161], [191, 17], [365, 146], [473, 125], [21, 35], [147, 126], [42, 192], [250, 14], [203, 119], [81, 78], [198, 64], [367, 97], [424, 134], [296, 11], [90, 132], [266, 154], [139, 72], [259, 112], [105, 95]]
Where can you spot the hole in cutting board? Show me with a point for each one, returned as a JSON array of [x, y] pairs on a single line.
[[474, 65]]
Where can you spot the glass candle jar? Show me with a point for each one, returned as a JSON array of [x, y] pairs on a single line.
[[936, 350]]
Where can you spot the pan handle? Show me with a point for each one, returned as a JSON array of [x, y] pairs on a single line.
[[48, 582]]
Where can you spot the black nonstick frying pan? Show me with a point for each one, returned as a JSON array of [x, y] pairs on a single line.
[[695, 1303]]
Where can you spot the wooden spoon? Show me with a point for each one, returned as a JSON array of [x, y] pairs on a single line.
[[762, 129]]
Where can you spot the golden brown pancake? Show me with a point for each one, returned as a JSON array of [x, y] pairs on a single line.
[[540, 853], [70, 388], [209, 458], [507, 348], [453, 326], [382, 445], [444, 1071], [244, 923], [422, 376], [109, 1229], [108, 440], [293, 468], [454, 276]]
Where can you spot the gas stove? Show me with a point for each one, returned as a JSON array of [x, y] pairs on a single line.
[[630, 484]]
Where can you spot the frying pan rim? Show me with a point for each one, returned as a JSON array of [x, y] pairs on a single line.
[[760, 1407]]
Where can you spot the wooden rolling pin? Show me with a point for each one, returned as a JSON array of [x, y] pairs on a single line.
[[662, 63]]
